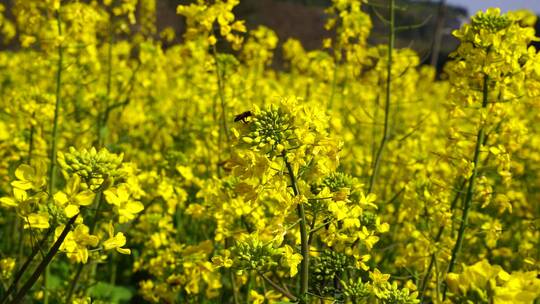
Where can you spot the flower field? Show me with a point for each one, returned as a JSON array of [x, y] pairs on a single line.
[[141, 168]]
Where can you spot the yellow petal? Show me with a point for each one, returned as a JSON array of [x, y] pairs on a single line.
[[8, 201], [123, 250], [60, 198], [24, 172], [24, 185], [85, 198], [71, 210], [111, 197], [92, 240], [73, 184], [19, 194], [118, 241], [134, 207], [37, 221]]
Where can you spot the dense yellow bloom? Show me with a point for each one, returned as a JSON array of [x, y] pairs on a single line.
[[19, 197], [379, 282], [291, 259], [30, 177], [73, 197], [77, 242], [516, 287], [115, 241], [202, 15], [125, 206], [37, 221], [223, 260], [226, 174]]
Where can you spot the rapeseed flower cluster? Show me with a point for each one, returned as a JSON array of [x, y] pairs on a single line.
[[137, 168]]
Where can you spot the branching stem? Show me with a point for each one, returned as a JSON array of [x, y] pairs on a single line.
[[386, 130], [44, 263], [277, 287], [304, 272], [470, 189]]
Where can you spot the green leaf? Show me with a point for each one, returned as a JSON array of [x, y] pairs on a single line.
[[110, 293]]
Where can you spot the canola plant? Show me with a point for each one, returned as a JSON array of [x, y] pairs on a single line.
[[189, 174]]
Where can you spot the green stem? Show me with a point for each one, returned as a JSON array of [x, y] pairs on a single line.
[[54, 136], [312, 230], [277, 287], [384, 139], [221, 93], [26, 264], [231, 275], [41, 267], [304, 271], [31, 143], [114, 268], [102, 121], [470, 190], [104, 117], [19, 226], [334, 85], [233, 286], [432, 261]]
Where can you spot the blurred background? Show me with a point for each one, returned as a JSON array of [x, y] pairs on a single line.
[[305, 19]]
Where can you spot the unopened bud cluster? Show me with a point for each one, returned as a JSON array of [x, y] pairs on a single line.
[[270, 130], [327, 270], [92, 166], [369, 219], [253, 254], [338, 180], [356, 289], [490, 22]]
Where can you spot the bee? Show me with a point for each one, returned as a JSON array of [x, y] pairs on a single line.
[[243, 116]]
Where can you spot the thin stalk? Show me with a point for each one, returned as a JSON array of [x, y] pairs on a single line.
[[334, 85], [249, 285], [432, 261], [386, 131], [20, 245], [31, 143], [114, 268], [470, 190], [437, 282], [374, 126], [41, 267], [312, 230], [304, 271], [395, 227], [54, 136], [18, 224], [231, 275], [73, 284], [233, 286], [221, 93], [277, 287], [25, 266], [103, 119]]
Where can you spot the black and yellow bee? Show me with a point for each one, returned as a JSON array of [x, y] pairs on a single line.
[[243, 116]]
